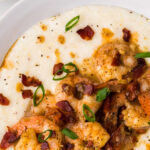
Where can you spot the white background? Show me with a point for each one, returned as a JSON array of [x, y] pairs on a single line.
[[5, 4]]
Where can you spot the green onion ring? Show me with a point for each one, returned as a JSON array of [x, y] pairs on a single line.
[[69, 64], [59, 78], [90, 119], [72, 23], [41, 134], [35, 94]]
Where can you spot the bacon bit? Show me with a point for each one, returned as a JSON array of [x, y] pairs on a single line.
[[133, 90], [58, 67], [79, 91], [89, 144], [44, 146], [88, 89], [27, 94], [116, 59], [139, 69], [30, 81], [86, 33], [3, 100], [68, 146], [67, 89], [107, 105], [53, 134], [66, 108], [126, 34], [8, 139]]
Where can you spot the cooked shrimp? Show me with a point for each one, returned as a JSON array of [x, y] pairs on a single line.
[[72, 90], [135, 117], [90, 135], [113, 60], [39, 124]]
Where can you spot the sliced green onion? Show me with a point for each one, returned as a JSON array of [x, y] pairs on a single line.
[[40, 136], [72, 23], [69, 133], [88, 118], [35, 103], [55, 78], [65, 71], [69, 71], [142, 55], [148, 123], [102, 94]]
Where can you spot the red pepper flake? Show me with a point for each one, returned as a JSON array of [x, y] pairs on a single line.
[[3, 100], [8, 139], [116, 59], [58, 67], [30, 81], [86, 33], [126, 34], [27, 94]]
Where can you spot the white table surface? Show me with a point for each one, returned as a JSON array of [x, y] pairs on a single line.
[[5, 5]]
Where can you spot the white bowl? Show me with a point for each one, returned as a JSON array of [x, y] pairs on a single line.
[[25, 13]]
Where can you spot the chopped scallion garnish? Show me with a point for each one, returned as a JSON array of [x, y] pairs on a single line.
[[69, 133], [88, 118], [142, 55], [40, 136], [102, 94], [35, 103], [72, 23]]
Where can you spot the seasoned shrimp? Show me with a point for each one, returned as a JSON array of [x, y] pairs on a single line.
[[91, 135], [77, 91], [113, 60], [39, 124], [135, 117]]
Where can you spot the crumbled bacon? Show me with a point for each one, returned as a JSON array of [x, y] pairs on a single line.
[[79, 90], [44, 146], [27, 94], [88, 89], [126, 34], [132, 90], [58, 67], [68, 146], [116, 59], [89, 144], [107, 105], [86, 33], [30, 81], [67, 89], [65, 106], [8, 139], [4, 100], [83, 89], [68, 111], [53, 134], [139, 69]]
